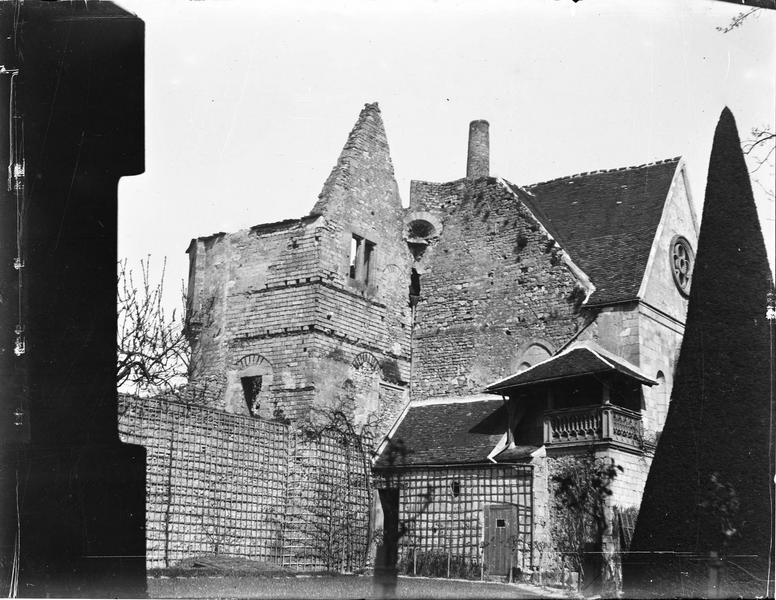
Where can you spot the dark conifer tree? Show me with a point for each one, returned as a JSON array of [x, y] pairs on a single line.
[[710, 488]]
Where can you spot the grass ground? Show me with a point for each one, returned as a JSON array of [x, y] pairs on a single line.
[[318, 587]]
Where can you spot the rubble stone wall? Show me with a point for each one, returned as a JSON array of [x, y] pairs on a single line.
[[492, 281]]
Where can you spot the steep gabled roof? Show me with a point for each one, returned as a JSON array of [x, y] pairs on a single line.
[[435, 433], [606, 221], [577, 361]]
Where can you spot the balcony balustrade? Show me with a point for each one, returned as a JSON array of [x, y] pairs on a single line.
[[598, 423]]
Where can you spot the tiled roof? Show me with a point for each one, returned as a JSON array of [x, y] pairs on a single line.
[[606, 221], [575, 362], [438, 434]]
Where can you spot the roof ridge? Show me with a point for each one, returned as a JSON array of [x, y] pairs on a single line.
[[613, 170]]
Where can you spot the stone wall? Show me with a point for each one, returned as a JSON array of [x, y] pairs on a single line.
[[628, 487], [492, 281], [219, 483], [616, 329], [663, 312], [649, 339], [661, 339], [678, 219]]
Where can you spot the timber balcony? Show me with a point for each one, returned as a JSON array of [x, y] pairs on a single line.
[[587, 425]]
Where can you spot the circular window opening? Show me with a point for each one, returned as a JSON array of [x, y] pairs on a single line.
[[420, 228], [682, 263]]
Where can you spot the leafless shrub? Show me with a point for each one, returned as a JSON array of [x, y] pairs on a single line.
[[152, 351]]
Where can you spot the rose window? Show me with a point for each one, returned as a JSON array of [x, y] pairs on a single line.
[[682, 263]]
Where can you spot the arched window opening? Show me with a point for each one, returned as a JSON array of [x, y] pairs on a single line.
[[531, 355], [251, 386]]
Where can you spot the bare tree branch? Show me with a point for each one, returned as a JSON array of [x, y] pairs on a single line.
[[762, 135], [152, 351], [738, 20]]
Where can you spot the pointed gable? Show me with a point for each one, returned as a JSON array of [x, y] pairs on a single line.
[[606, 221], [364, 171]]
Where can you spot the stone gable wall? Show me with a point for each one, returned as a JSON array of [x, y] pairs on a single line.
[[661, 292], [489, 283], [664, 311]]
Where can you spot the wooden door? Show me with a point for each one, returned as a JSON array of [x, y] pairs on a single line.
[[500, 532]]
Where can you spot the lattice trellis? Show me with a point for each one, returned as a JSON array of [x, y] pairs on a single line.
[[242, 486], [442, 508]]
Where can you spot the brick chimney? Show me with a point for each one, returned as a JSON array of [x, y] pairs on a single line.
[[478, 159]]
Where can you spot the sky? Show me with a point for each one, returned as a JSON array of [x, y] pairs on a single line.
[[248, 103]]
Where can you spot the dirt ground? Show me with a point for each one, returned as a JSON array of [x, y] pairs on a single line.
[[315, 587]]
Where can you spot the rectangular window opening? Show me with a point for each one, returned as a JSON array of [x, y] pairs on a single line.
[[355, 248], [501, 523], [362, 263]]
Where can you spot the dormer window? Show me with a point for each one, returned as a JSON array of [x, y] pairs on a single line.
[[362, 254]]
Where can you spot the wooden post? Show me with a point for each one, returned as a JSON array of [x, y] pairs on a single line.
[[547, 430], [714, 567], [606, 422]]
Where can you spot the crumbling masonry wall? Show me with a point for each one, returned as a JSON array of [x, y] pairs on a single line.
[[492, 281], [279, 301], [220, 483]]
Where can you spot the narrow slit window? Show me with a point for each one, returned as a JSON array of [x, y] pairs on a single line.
[[414, 283]]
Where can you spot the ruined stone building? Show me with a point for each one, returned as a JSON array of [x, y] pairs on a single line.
[[490, 328], [286, 315]]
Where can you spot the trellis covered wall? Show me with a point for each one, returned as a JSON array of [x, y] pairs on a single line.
[[443, 509], [244, 486], [327, 515]]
